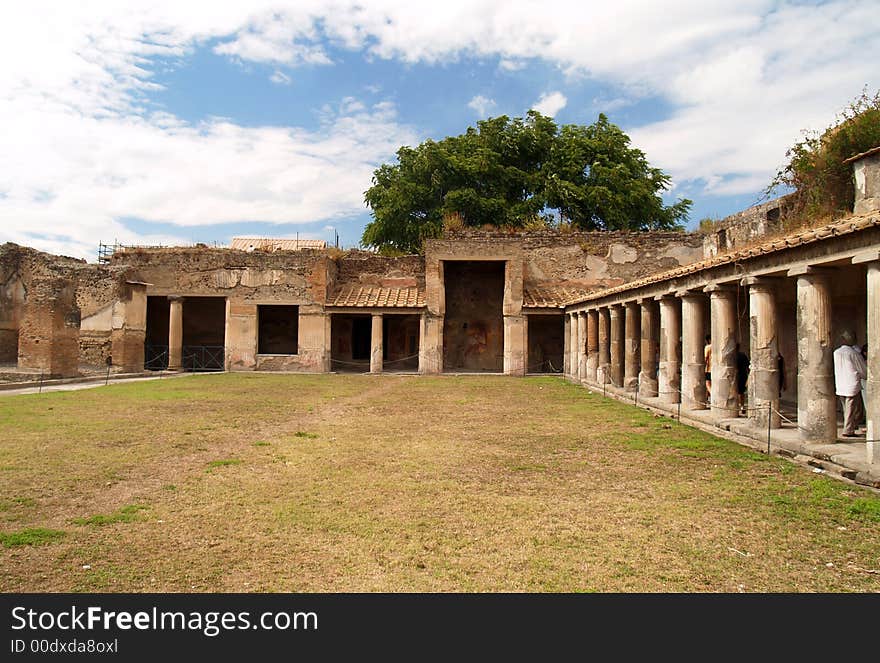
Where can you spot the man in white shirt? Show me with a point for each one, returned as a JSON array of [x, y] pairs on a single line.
[[850, 369]]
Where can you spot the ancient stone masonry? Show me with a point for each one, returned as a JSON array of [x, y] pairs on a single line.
[[773, 311], [745, 227], [58, 314]]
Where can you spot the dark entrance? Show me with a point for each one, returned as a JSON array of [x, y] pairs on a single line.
[[473, 328], [204, 333], [350, 342], [546, 341], [156, 339]]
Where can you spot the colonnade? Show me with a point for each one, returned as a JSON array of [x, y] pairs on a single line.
[[654, 345]]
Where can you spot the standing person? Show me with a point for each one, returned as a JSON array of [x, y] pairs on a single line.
[[707, 358], [850, 369], [742, 377]]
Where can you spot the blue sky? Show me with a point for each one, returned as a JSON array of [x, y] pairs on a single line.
[[168, 122]]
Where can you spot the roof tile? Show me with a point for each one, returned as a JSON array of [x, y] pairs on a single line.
[[376, 297]]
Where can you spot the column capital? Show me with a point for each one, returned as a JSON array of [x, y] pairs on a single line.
[[690, 294], [720, 289], [665, 296], [175, 298], [811, 271], [760, 282]]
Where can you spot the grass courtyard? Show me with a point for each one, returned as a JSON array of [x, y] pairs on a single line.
[[327, 483]]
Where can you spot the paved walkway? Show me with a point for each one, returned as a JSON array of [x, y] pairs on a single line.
[[847, 459], [75, 384]]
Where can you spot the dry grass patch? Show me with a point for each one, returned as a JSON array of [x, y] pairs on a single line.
[[453, 483]]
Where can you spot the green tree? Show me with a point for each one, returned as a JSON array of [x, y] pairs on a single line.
[[513, 172]]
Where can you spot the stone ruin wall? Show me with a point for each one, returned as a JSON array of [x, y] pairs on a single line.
[[585, 260], [284, 276], [43, 301], [246, 279], [744, 228], [366, 269]]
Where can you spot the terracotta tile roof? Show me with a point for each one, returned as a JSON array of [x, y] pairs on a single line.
[[375, 297], [550, 296], [846, 226]]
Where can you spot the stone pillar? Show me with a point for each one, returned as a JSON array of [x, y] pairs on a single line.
[[566, 345], [872, 393], [669, 376], [617, 345], [693, 331], [376, 344], [240, 339], [431, 344], [722, 301], [175, 334], [515, 344], [817, 407], [648, 348], [872, 385], [603, 371], [48, 337], [763, 352], [573, 347], [128, 329], [631, 351], [581, 346], [592, 345]]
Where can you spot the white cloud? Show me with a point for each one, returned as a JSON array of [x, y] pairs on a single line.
[[280, 78], [511, 65], [482, 105], [550, 103], [81, 148]]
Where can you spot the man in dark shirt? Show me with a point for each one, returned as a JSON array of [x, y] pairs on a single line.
[[742, 376]]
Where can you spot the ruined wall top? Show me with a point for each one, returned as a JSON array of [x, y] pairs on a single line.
[[744, 227], [866, 175]]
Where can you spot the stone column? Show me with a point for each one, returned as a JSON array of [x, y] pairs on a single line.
[[582, 346], [693, 331], [631, 352], [763, 352], [669, 377], [817, 407], [566, 345], [648, 348], [431, 344], [722, 302], [515, 344], [617, 345], [376, 344], [603, 371], [592, 345], [872, 390], [573, 347], [129, 329], [175, 333], [872, 393]]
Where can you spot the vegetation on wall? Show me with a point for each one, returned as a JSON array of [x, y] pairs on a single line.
[[518, 173], [822, 182]]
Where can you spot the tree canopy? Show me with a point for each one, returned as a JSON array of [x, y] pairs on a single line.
[[518, 173]]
